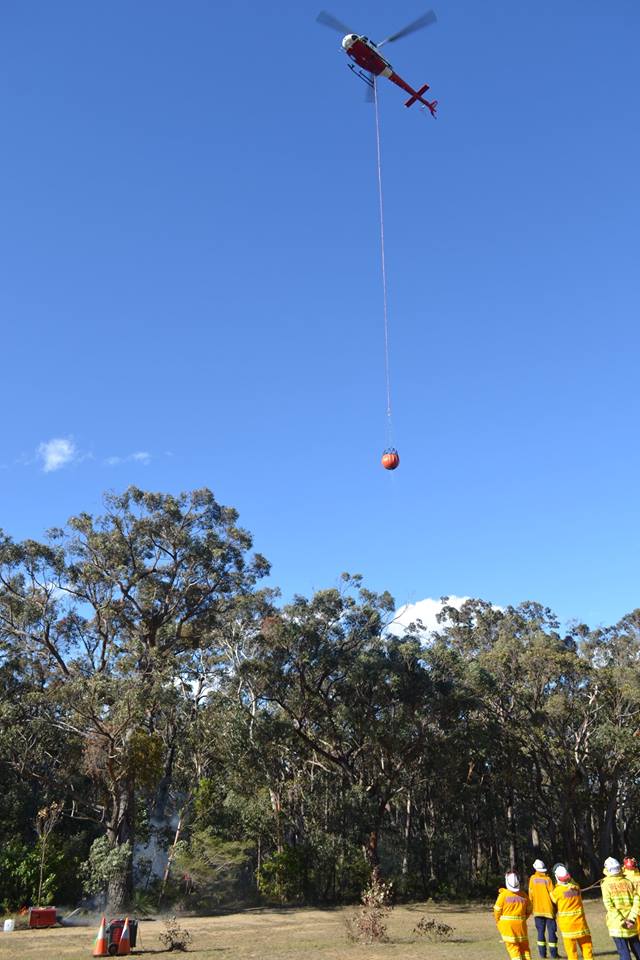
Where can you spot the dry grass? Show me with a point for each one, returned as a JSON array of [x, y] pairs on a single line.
[[304, 934]]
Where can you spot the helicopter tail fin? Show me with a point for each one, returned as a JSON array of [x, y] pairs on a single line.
[[417, 97]]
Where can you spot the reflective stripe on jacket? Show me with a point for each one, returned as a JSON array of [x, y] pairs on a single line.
[[571, 917], [621, 901], [540, 887], [511, 910]]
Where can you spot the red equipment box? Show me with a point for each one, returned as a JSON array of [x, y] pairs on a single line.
[[40, 917]]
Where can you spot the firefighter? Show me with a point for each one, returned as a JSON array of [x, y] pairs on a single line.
[[622, 903], [570, 916], [511, 910], [544, 910], [631, 872]]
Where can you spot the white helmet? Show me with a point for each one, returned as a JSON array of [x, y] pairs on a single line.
[[612, 866], [512, 881], [561, 873], [539, 865]]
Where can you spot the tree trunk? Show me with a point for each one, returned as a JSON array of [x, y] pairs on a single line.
[[407, 838], [276, 806], [535, 839], [608, 838], [121, 831], [164, 786], [371, 854], [511, 823], [120, 889]]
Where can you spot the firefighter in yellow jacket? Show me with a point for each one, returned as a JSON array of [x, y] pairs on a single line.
[[571, 918], [511, 910], [622, 903], [544, 910], [631, 872]]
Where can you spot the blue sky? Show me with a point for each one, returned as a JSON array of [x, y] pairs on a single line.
[[190, 290]]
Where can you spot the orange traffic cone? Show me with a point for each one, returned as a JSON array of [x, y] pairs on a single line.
[[100, 943], [124, 947]]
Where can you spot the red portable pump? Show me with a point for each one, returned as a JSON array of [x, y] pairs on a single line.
[[114, 932]]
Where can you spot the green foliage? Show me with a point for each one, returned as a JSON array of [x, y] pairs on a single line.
[[20, 873], [281, 877], [145, 757], [106, 861], [144, 902], [144, 679], [213, 870]]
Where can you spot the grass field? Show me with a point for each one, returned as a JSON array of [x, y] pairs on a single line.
[[302, 934]]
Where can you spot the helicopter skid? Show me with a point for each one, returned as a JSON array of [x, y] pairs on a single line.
[[366, 77]]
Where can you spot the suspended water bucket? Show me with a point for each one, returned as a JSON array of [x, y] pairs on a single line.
[[390, 459]]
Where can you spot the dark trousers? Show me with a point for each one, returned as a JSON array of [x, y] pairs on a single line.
[[628, 947], [548, 935]]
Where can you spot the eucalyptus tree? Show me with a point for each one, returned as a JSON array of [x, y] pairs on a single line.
[[111, 612], [359, 699]]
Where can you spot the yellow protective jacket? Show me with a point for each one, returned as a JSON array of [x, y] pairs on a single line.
[[634, 876], [571, 917], [621, 901], [511, 910], [540, 887]]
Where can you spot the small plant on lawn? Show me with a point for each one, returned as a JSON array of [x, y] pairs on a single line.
[[433, 930], [175, 937], [369, 925]]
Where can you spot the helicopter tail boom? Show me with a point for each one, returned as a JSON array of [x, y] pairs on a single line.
[[417, 96]]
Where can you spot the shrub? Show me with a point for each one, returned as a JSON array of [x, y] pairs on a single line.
[[436, 931], [20, 874], [281, 877], [369, 924], [175, 937]]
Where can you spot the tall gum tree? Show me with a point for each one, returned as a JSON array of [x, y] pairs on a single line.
[[362, 702], [114, 611]]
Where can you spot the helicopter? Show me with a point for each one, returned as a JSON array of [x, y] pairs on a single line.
[[369, 63]]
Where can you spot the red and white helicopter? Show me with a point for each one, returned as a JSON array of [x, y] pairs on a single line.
[[369, 63]]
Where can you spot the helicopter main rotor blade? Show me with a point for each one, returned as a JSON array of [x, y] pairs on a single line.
[[328, 20], [424, 21]]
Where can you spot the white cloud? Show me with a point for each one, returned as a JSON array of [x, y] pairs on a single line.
[[140, 456], [57, 453], [426, 611]]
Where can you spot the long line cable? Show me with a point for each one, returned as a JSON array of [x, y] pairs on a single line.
[[387, 370]]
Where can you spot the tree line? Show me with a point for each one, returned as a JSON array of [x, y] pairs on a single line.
[[166, 704]]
